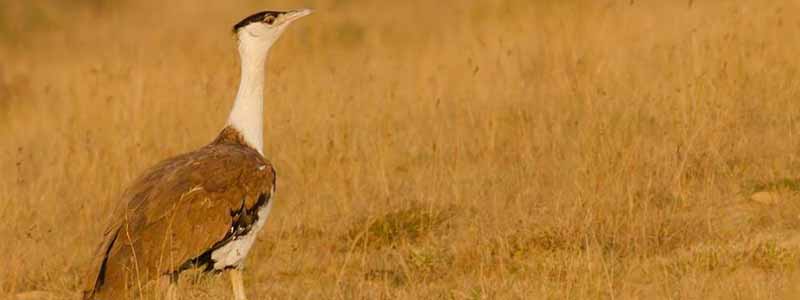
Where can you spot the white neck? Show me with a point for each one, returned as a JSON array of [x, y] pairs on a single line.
[[247, 114]]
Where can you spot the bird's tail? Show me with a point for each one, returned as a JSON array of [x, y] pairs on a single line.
[[96, 274]]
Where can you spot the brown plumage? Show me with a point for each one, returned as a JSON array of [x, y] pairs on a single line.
[[203, 208], [179, 210]]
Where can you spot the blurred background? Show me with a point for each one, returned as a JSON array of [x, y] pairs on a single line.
[[426, 149]]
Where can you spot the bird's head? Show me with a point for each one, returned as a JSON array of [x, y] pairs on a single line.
[[258, 32]]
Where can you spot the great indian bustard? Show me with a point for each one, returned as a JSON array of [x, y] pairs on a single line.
[[203, 208]]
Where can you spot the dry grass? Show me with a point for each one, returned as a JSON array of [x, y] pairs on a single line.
[[427, 149]]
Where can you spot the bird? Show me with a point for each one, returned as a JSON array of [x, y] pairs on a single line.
[[202, 209]]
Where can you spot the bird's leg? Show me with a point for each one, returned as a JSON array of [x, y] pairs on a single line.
[[237, 283], [169, 284], [172, 291]]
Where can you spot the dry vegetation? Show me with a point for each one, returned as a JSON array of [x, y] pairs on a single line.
[[427, 149]]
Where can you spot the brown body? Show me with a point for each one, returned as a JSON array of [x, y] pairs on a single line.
[[177, 211]]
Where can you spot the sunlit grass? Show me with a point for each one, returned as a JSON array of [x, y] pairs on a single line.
[[426, 149]]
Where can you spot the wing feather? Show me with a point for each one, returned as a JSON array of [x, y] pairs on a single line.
[[176, 211]]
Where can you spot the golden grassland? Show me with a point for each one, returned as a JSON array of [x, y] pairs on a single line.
[[427, 149]]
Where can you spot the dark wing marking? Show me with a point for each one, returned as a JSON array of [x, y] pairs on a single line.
[[243, 221], [176, 211]]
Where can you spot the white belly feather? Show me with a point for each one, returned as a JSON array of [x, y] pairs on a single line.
[[234, 252]]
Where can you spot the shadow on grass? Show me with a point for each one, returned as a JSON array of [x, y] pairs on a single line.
[[784, 184], [406, 225]]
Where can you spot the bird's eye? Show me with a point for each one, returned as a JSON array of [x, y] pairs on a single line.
[[269, 19]]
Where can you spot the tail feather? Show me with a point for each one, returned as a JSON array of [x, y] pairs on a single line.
[[97, 269]]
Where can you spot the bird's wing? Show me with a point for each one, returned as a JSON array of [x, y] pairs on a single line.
[[178, 210]]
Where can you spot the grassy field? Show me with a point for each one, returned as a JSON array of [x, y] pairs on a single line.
[[426, 149]]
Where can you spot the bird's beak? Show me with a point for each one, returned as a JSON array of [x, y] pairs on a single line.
[[297, 14]]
